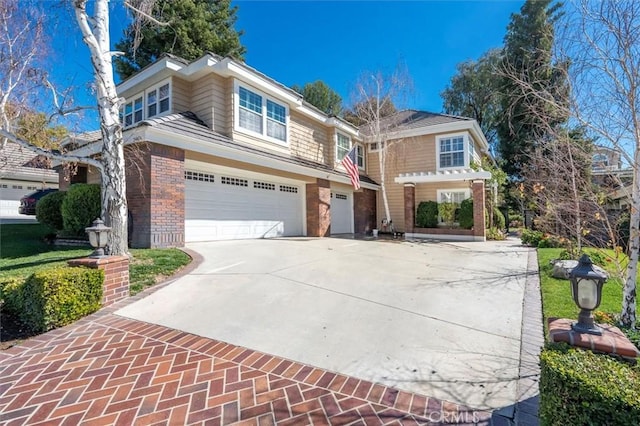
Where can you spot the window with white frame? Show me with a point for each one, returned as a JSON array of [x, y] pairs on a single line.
[[375, 147], [360, 156], [150, 103], [343, 146], [158, 101], [258, 114], [451, 152], [455, 196]]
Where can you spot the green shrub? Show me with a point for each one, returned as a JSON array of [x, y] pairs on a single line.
[[466, 214], [9, 294], [495, 234], [447, 212], [498, 219], [49, 210], [55, 297], [552, 241], [427, 214], [80, 208], [531, 238], [581, 388]]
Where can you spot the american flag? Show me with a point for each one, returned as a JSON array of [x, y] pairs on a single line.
[[349, 163]]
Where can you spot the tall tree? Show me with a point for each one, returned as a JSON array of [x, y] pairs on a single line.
[[527, 52], [373, 111], [320, 95], [185, 28], [475, 92]]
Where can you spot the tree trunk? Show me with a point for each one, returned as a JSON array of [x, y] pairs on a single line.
[[628, 315], [114, 202], [382, 161]]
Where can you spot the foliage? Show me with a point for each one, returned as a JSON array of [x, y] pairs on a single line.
[[194, 28], [36, 128], [320, 95], [150, 265], [427, 214], [360, 113], [474, 92], [466, 214], [527, 53], [579, 387], [498, 219], [49, 210], [495, 234], [56, 297], [531, 238], [552, 241], [447, 212], [80, 208]]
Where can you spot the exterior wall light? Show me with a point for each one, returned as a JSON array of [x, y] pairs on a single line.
[[586, 288], [98, 236]]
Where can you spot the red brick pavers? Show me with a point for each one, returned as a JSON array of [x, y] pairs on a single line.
[[107, 369]]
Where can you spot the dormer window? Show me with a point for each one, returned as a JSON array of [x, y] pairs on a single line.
[[261, 116]]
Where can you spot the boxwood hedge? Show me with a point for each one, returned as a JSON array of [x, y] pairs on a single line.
[[578, 387]]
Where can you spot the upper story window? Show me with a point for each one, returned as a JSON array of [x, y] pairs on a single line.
[[152, 102], [455, 151], [260, 115], [343, 146], [360, 156], [600, 161], [158, 100]]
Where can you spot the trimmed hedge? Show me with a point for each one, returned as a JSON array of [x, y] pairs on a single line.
[[49, 210], [80, 208], [466, 214], [427, 214], [54, 297], [581, 388]]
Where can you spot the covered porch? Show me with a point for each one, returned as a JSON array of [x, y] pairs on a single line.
[[452, 179]]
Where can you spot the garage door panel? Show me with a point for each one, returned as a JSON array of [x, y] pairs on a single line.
[[341, 213], [226, 207]]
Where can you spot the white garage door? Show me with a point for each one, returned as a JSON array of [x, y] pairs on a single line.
[[341, 213], [221, 206]]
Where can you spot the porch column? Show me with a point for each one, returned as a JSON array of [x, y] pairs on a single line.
[[478, 210], [409, 207], [319, 208]]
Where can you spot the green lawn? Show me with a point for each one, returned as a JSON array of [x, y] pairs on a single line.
[[556, 294], [23, 250]]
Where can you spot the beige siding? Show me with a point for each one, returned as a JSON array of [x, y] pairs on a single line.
[[309, 139], [180, 93], [209, 102]]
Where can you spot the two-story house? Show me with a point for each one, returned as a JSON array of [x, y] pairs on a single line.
[[219, 151], [429, 157]]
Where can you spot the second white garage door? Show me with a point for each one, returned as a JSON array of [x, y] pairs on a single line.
[[341, 213], [224, 206]]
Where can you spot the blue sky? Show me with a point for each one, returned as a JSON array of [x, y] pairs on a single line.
[[296, 42]]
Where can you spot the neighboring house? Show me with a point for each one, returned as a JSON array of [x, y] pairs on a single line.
[[218, 150], [21, 173], [608, 171], [429, 157]]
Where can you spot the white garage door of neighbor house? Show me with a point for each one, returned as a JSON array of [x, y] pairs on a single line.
[[341, 213], [220, 206]]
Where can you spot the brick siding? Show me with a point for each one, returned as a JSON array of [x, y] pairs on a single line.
[[364, 215], [319, 208]]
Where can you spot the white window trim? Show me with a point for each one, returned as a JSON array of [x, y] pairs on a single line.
[[339, 159], [145, 111], [236, 116], [439, 192], [465, 146], [364, 156]]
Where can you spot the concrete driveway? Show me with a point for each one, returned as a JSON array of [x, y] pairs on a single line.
[[438, 319]]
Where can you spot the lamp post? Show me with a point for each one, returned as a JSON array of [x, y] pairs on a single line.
[[98, 236], [586, 288]]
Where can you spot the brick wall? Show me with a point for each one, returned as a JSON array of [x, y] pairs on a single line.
[[116, 276], [478, 209], [364, 214], [155, 195], [409, 207], [319, 208]]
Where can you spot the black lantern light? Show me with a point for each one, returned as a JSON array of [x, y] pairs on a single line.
[[98, 235], [586, 288]]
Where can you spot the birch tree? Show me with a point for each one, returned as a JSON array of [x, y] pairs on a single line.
[[21, 68], [375, 96], [601, 41]]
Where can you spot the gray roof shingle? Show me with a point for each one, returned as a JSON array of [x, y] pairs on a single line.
[[412, 119]]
